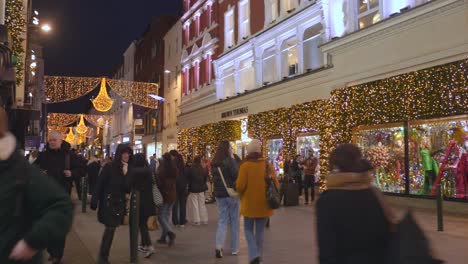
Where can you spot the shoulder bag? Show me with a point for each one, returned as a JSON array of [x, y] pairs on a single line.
[[272, 194], [231, 192]]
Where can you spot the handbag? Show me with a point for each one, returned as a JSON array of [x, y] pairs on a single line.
[[272, 194], [152, 223], [231, 192], [157, 196], [408, 244]]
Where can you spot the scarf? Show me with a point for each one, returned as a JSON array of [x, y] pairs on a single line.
[[124, 168], [349, 181], [8, 143]]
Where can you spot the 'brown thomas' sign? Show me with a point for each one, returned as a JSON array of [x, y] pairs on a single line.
[[235, 112]]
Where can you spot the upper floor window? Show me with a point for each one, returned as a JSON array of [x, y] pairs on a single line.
[[269, 66], [246, 75], [229, 29], [289, 57], [244, 19], [273, 4], [228, 82], [313, 56], [288, 5], [368, 12]]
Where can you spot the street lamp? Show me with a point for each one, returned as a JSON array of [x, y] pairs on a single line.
[[167, 71], [46, 28]]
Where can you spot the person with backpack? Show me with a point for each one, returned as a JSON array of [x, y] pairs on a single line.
[[351, 223], [225, 170], [36, 212], [142, 181], [112, 186], [198, 177], [251, 185]]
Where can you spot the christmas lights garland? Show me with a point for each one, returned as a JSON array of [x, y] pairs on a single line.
[[16, 24]]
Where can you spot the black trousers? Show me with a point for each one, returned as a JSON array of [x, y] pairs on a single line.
[[56, 249], [179, 210], [106, 244], [77, 183], [144, 232], [309, 182]]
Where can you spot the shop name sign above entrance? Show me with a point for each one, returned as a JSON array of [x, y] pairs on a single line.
[[235, 112]]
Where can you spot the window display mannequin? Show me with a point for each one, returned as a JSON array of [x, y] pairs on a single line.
[[462, 170], [430, 167]]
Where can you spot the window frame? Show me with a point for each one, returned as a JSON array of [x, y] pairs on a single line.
[[244, 19], [369, 11], [228, 16]]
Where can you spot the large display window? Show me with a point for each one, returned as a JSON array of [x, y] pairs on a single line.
[[307, 143], [384, 146], [274, 149], [438, 154]]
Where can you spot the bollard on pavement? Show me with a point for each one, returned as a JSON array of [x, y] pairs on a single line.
[[134, 221], [84, 194], [440, 216]]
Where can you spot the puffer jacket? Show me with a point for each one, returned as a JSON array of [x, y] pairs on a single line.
[[230, 169]]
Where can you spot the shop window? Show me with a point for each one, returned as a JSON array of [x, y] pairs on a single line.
[[228, 83], [368, 13], [313, 56], [246, 75], [438, 154], [384, 147], [274, 148], [269, 66], [229, 29], [308, 143], [289, 57], [244, 19]]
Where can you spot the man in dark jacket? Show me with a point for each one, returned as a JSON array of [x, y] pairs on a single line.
[[35, 211], [179, 211], [60, 164]]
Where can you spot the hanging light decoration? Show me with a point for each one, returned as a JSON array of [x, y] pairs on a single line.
[[81, 128], [70, 137], [103, 102]]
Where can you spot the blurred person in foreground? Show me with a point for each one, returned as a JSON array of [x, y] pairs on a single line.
[[35, 211], [351, 223], [251, 185]]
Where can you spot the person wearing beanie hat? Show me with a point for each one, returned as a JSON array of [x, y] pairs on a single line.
[[251, 186]]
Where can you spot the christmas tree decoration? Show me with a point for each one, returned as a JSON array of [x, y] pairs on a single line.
[[103, 102]]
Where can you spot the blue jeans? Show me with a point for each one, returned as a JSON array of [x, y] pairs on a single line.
[[254, 239], [163, 217], [228, 211]]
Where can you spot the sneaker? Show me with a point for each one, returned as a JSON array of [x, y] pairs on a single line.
[[149, 252], [182, 226], [196, 223], [161, 241], [219, 253], [235, 253], [142, 248]]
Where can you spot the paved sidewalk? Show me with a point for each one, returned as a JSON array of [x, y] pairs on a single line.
[[291, 239]]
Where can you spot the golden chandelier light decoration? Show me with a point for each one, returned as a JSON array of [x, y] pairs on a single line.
[[103, 102], [81, 128], [70, 137]]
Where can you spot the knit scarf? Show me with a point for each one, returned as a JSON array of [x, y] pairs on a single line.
[[349, 181], [8, 143]]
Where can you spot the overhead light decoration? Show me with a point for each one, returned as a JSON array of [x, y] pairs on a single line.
[[81, 128], [103, 102], [70, 136]]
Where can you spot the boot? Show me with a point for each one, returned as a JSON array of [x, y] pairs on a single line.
[[106, 244]]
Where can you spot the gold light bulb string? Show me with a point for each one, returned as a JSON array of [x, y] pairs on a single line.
[[103, 102]]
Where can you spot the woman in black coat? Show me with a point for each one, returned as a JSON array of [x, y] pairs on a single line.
[[351, 223], [143, 181], [198, 177], [110, 194], [93, 169]]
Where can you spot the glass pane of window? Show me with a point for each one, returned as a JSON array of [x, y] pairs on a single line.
[[228, 82], [385, 149], [289, 57], [246, 75], [438, 153], [274, 148], [274, 9], [368, 20], [363, 6], [313, 56], [373, 3]]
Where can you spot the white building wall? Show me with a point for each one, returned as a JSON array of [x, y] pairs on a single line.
[[426, 36], [172, 87]]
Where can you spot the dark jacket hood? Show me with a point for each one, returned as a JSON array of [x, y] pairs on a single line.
[[120, 149]]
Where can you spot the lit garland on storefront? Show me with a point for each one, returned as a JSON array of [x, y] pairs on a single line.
[[16, 24], [193, 141]]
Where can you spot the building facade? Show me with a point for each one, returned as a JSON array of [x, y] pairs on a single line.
[[293, 68], [172, 86]]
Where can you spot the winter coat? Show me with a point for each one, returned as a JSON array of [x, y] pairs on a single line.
[[93, 169], [111, 189], [251, 186], [167, 184], [48, 210], [53, 162], [142, 181], [351, 225], [182, 178], [197, 177], [230, 169]]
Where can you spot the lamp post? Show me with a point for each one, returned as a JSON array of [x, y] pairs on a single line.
[[156, 115]]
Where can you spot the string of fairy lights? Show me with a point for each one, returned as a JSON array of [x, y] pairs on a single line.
[[16, 24], [434, 92]]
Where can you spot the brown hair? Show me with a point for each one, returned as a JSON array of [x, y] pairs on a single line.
[[348, 158], [221, 153]]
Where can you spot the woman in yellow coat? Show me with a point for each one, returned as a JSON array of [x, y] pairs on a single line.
[[251, 186]]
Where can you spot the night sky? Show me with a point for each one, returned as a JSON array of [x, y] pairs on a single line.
[[90, 36]]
